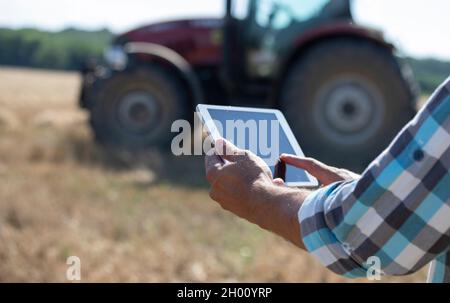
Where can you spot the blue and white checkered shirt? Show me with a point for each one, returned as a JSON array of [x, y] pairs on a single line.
[[397, 212]]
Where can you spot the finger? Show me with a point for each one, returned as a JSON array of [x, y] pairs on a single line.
[[228, 150], [316, 168], [302, 162], [213, 163], [278, 182]]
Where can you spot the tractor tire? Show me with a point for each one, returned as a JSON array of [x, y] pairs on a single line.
[[135, 109], [345, 100]]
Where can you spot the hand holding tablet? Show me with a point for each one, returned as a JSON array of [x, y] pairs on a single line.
[[264, 132]]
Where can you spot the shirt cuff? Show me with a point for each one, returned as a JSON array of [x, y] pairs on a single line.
[[319, 239]]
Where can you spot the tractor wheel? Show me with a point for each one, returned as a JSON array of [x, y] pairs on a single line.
[[135, 110], [345, 100]]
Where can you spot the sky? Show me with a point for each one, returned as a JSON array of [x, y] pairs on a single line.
[[419, 28]]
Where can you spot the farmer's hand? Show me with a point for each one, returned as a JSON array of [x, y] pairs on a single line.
[[242, 183], [324, 173]]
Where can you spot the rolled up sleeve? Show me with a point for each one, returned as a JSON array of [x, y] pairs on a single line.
[[320, 240], [398, 210], [440, 269]]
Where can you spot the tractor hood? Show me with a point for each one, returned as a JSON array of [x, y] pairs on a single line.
[[170, 32], [198, 41]]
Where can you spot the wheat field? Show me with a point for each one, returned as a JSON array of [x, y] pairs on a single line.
[[146, 218]]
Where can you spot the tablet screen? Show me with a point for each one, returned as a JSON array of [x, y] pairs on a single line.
[[259, 132]]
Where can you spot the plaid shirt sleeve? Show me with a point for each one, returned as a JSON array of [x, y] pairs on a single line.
[[397, 211]]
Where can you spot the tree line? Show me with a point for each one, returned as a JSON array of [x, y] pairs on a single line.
[[429, 72], [66, 49], [70, 48]]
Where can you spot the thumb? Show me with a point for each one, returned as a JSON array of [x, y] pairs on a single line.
[[228, 150]]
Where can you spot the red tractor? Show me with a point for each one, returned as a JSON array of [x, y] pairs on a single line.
[[340, 85]]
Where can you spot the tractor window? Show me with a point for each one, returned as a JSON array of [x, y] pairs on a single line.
[[278, 14], [268, 27], [240, 9]]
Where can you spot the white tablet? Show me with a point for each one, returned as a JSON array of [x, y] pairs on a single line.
[[265, 132]]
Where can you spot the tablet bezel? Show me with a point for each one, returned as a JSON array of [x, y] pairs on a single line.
[[202, 111]]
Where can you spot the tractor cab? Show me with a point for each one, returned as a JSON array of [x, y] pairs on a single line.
[[259, 35]]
